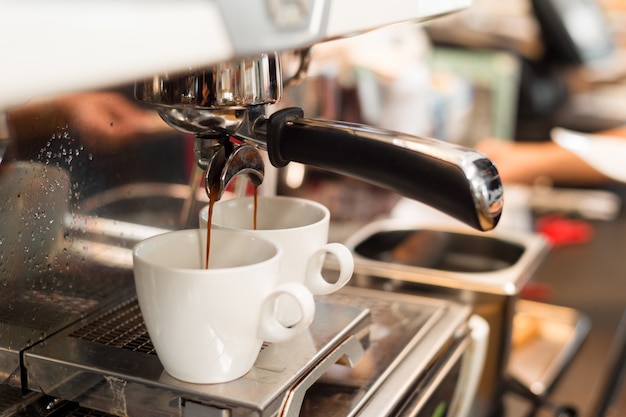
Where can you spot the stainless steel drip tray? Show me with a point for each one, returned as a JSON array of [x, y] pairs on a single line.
[[488, 262], [108, 364]]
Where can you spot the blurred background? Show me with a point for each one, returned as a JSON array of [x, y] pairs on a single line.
[[509, 70]]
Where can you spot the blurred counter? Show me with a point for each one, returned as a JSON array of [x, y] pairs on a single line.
[[589, 277]]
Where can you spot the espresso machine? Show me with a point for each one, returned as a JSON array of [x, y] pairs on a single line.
[[72, 338]]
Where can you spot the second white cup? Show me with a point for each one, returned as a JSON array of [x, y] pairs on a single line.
[[298, 226]]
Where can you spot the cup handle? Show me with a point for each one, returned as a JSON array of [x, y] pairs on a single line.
[[316, 282], [271, 329]]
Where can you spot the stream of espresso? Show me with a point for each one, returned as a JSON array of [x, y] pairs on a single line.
[[213, 193], [256, 206]]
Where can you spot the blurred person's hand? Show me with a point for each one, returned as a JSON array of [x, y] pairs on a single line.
[[533, 162], [108, 120], [104, 121]]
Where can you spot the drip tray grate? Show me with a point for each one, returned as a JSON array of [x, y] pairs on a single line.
[[122, 327]]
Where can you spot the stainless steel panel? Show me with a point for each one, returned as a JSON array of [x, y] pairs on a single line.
[[49, 278], [401, 357]]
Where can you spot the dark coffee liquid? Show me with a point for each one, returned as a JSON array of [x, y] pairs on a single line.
[[213, 197], [256, 206], [213, 194]]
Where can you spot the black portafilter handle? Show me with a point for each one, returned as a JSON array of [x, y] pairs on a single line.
[[458, 181]]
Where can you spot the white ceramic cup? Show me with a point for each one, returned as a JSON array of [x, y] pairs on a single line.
[[298, 226], [208, 325]]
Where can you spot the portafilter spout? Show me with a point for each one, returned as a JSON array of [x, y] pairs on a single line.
[[228, 101], [222, 161]]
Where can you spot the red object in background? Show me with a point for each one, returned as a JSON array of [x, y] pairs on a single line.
[[537, 291], [560, 230]]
